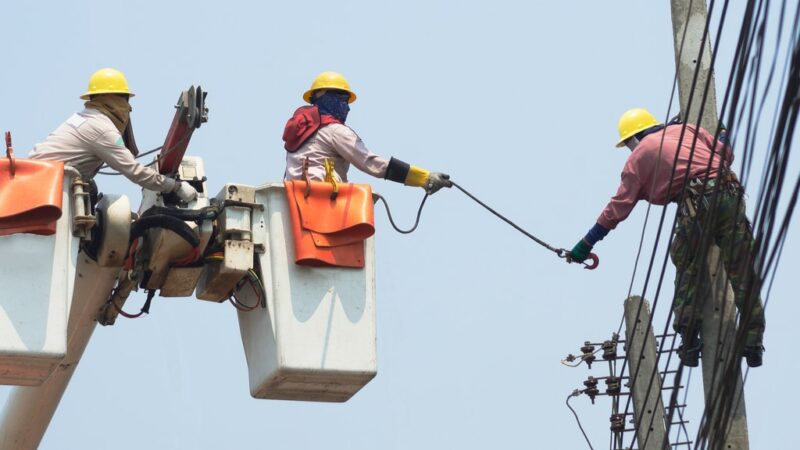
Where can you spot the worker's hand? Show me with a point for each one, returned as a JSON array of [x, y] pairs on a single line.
[[186, 192], [580, 252], [436, 181]]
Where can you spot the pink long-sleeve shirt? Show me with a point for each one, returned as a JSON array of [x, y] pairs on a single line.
[[646, 175]]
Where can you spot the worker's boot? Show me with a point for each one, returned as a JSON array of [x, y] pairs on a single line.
[[754, 355], [753, 351], [689, 350]]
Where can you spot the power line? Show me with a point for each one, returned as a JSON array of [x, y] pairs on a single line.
[[747, 157], [576, 393]]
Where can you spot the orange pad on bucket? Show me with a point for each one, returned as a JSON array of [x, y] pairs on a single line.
[[30, 200], [330, 232]]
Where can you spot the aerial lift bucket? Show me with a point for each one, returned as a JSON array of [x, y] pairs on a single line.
[[37, 271], [316, 338]]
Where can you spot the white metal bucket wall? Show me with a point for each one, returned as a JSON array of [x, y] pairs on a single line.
[[36, 279], [316, 339]]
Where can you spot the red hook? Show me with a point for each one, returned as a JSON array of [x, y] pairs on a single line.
[[595, 262], [564, 253]]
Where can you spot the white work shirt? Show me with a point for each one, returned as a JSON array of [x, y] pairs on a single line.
[[87, 140], [339, 143]]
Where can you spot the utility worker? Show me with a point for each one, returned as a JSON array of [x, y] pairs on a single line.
[[317, 136], [102, 133], [713, 209]]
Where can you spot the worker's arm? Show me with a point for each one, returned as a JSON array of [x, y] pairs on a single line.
[[623, 202], [110, 148], [409, 175], [617, 210], [350, 146]]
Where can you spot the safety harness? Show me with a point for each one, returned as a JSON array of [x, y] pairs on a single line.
[[698, 190]]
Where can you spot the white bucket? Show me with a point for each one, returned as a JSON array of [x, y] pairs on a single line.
[[315, 341], [36, 281]]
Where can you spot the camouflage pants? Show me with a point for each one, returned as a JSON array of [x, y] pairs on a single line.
[[730, 230]]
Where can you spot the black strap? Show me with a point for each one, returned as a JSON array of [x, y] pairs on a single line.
[[174, 224]]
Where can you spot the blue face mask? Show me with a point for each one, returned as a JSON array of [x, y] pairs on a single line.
[[334, 103]]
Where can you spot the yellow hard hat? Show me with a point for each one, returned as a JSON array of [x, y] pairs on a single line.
[[107, 81], [633, 121], [330, 80]]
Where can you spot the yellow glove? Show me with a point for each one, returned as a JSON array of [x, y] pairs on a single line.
[[409, 175], [416, 177]]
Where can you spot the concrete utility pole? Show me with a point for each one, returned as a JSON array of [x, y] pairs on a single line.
[[719, 318], [648, 407], [688, 23]]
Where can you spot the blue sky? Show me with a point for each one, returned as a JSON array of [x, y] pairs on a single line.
[[518, 101]]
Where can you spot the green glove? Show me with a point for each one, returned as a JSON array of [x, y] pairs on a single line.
[[580, 252]]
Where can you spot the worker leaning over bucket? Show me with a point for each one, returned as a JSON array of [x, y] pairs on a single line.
[[316, 135], [648, 175], [102, 133]]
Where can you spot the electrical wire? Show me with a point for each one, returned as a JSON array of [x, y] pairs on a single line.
[[721, 429], [567, 360], [149, 152], [766, 211], [250, 278], [258, 288], [576, 393], [660, 227], [745, 159], [145, 308], [663, 214], [702, 251], [674, 89]]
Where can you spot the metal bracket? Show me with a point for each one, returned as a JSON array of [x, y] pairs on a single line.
[[82, 218], [193, 101], [113, 214]]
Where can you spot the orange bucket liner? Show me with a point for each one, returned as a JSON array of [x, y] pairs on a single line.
[[30, 200], [330, 232]]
